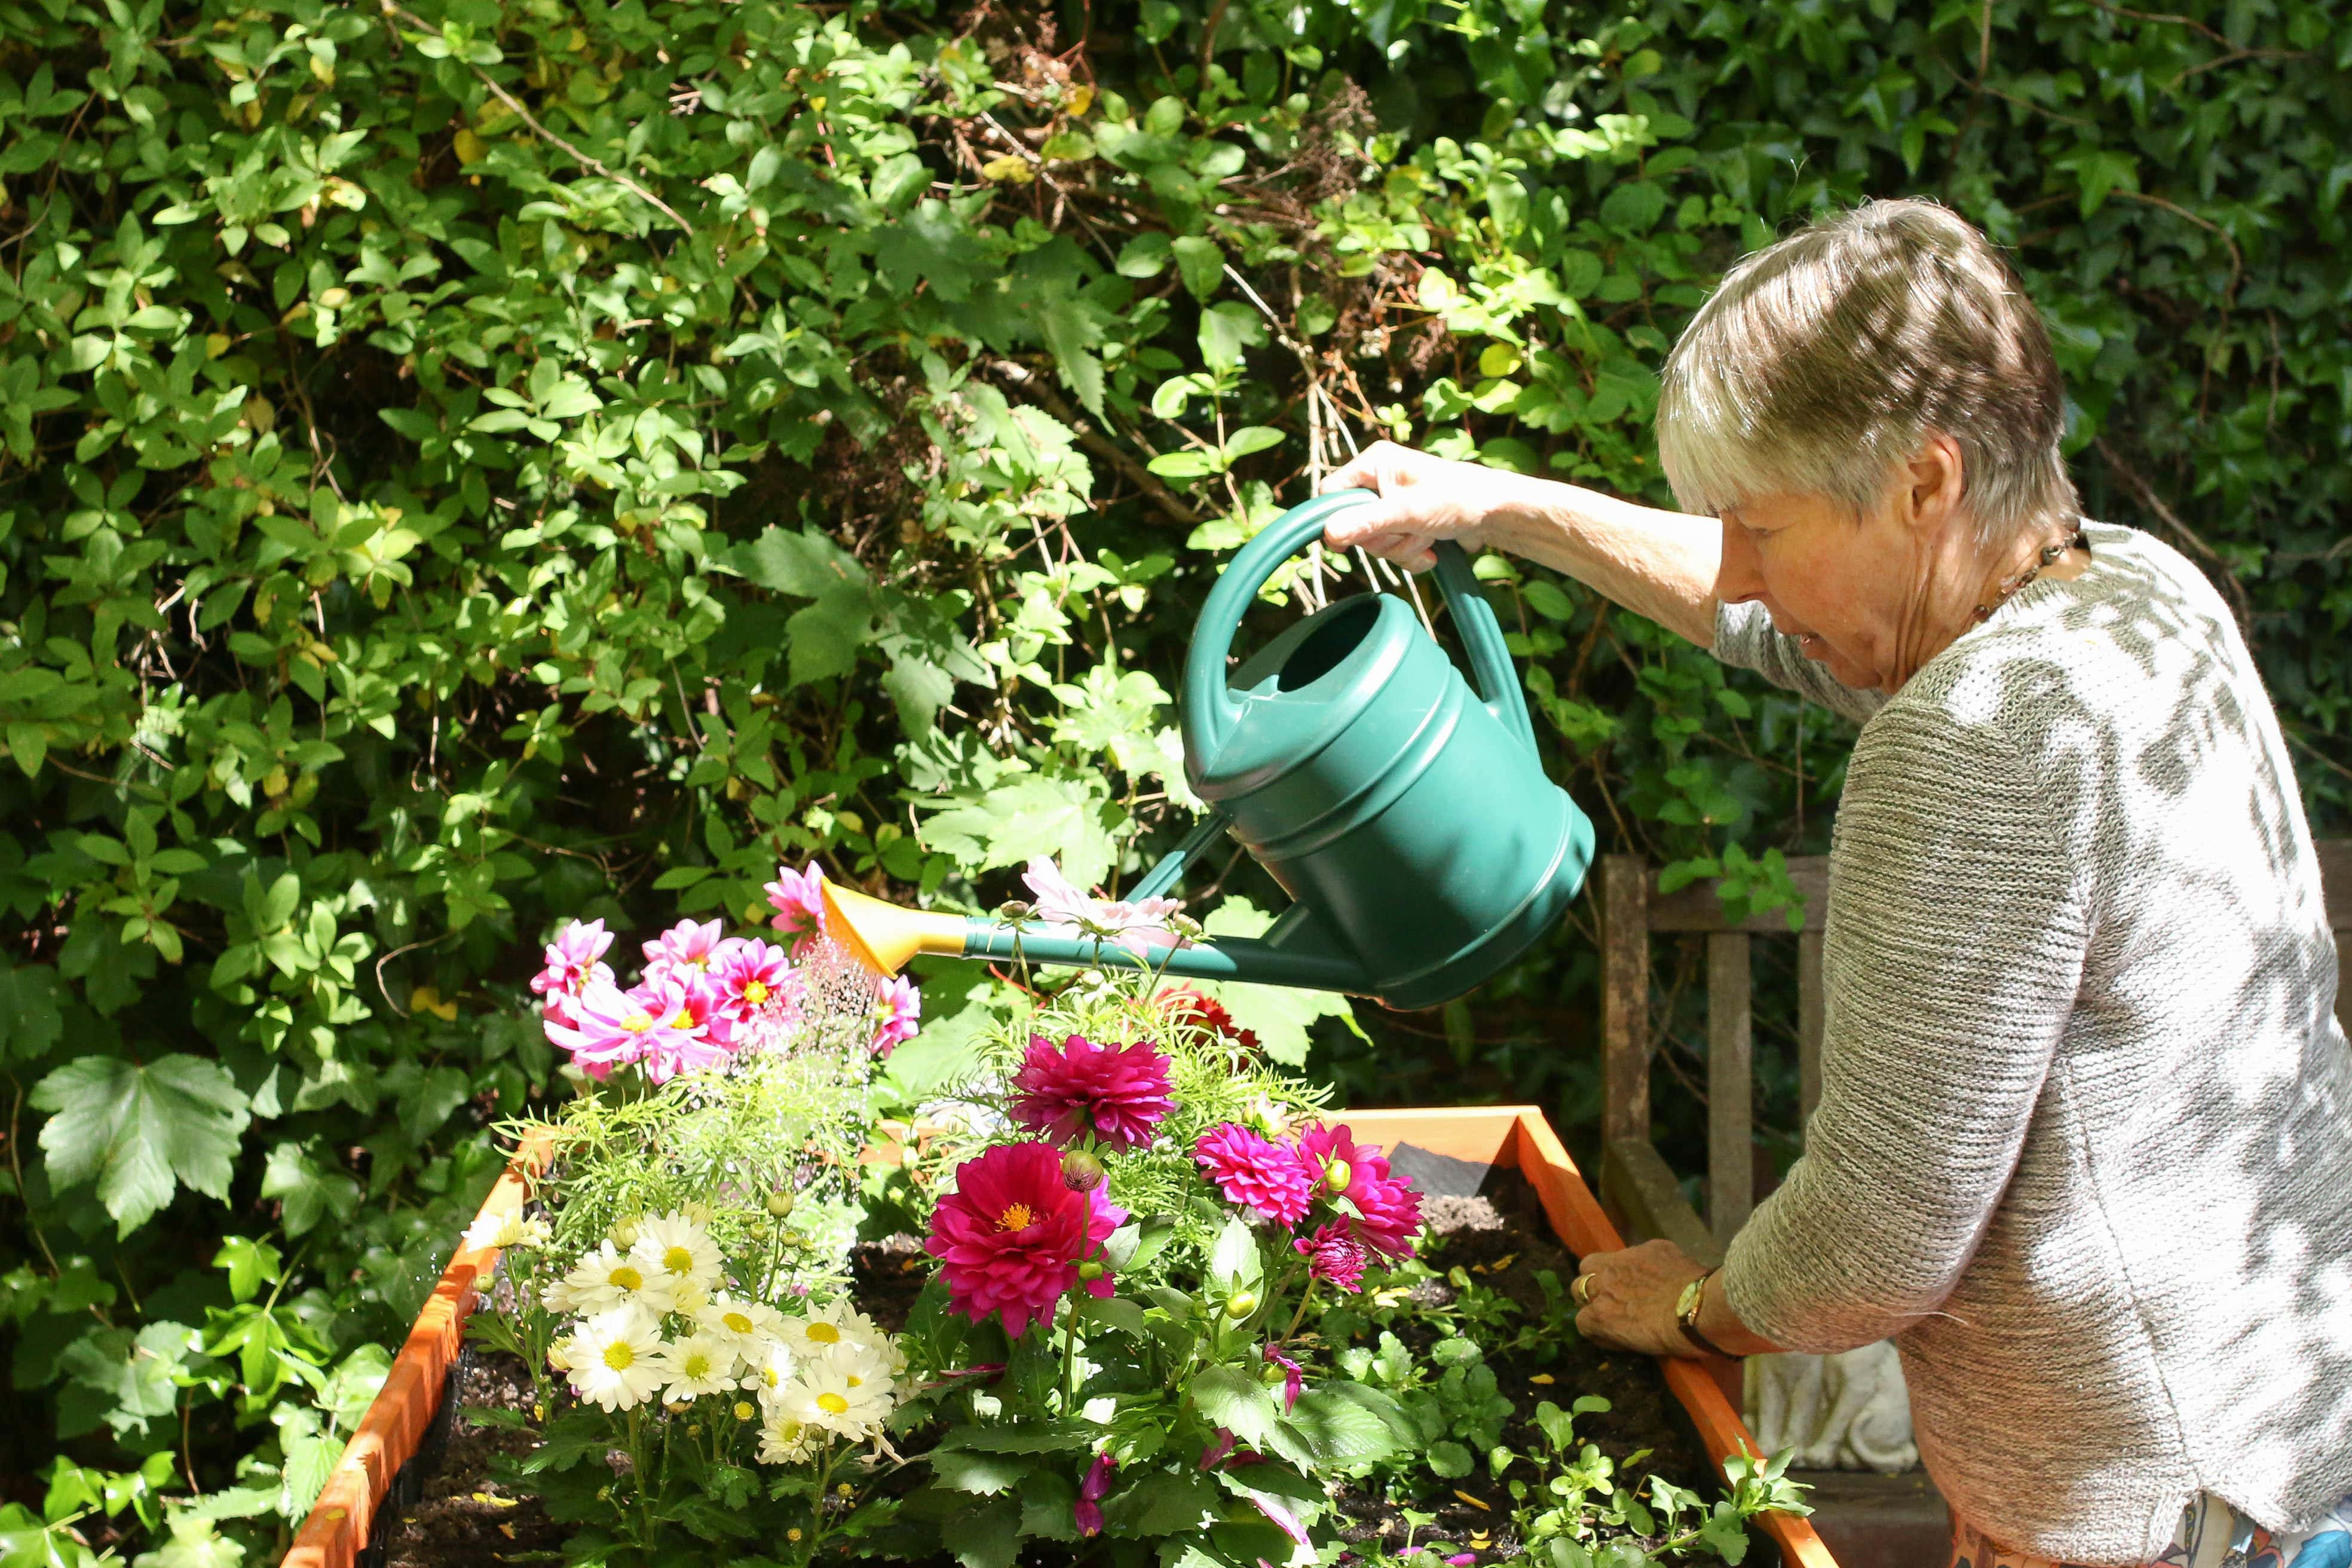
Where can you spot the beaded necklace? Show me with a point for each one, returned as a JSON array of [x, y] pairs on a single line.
[[2049, 554]]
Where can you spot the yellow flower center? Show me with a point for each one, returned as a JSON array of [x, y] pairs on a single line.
[[823, 1335], [755, 991], [626, 1278], [743, 1411], [855, 1381], [684, 1019], [638, 1023], [1016, 1216], [832, 1404], [619, 1356], [677, 1261], [697, 1365], [736, 1322], [772, 1377]]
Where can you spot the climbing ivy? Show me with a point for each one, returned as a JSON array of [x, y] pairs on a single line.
[[468, 465]]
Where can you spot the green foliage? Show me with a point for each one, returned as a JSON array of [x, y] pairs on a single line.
[[474, 466]]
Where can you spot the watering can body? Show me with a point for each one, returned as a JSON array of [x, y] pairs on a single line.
[[1408, 816]]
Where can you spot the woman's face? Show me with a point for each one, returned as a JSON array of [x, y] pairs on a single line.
[[1855, 594]]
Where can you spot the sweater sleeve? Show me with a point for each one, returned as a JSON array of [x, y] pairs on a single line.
[[1955, 944], [1744, 636]]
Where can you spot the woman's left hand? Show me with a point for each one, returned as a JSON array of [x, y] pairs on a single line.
[[1629, 1299]]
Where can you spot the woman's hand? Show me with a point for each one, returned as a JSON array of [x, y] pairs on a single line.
[[1423, 498], [1629, 1301]]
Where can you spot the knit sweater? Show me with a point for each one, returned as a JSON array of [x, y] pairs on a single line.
[[2085, 1141]]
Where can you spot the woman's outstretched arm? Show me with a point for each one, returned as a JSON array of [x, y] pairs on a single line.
[[1660, 565]]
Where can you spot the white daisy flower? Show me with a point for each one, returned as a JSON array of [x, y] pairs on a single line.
[[689, 1298], [783, 1441], [676, 1248], [696, 1366], [617, 1358], [742, 1324], [824, 1329], [842, 1393], [771, 1362], [609, 1278], [499, 1230]]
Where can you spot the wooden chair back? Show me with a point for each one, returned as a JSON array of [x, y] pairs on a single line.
[[1636, 1183]]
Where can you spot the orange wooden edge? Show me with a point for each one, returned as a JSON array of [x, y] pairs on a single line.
[[394, 1424], [1511, 1135]]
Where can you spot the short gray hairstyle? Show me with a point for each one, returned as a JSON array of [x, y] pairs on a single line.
[[1826, 359]]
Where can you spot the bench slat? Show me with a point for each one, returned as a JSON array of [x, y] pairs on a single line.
[[1730, 1085]]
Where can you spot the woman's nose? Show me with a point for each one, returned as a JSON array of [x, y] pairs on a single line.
[[1739, 577]]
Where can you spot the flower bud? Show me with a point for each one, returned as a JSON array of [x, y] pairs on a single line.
[[1240, 1305], [1090, 1269], [1012, 910], [1336, 1175], [743, 1411], [624, 1233], [780, 1201], [1081, 1172]]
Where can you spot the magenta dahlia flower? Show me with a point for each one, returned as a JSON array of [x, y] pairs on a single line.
[[1116, 1093], [1382, 1211], [1010, 1236], [798, 899], [572, 960], [685, 947], [756, 986], [1087, 1513], [1333, 1253], [611, 1027], [1254, 1173], [897, 1013]]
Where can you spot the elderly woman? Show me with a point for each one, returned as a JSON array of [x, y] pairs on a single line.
[[2085, 1141]]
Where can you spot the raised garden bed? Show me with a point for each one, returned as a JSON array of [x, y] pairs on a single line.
[[413, 1489]]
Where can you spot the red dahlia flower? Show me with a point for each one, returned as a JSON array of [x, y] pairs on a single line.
[[1118, 1093], [1012, 1235], [1259, 1176], [1383, 1211]]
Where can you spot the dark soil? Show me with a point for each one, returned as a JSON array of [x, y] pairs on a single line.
[[1486, 1223]]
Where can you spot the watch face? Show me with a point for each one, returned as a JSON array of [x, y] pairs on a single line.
[[1687, 1302]]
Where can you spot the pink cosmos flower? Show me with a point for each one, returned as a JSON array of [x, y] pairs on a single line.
[[1383, 1212], [1011, 1235], [798, 899], [695, 1035], [1259, 1176], [1334, 1254], [1088, 1512], [897, 1013], [611, 1027], [756, 982], [685, 946], [1116, 1093], [572, 960], [1140, 927]]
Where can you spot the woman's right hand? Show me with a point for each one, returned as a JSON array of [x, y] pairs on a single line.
[[1423, 498]]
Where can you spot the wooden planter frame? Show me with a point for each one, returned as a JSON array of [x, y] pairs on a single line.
[[1509, 1135]]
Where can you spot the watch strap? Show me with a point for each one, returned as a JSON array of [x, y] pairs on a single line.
[[1687, 1311]]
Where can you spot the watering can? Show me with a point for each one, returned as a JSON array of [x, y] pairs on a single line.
[[1408, 816]]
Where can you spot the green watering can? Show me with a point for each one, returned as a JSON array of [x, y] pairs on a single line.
[[1411, 822]]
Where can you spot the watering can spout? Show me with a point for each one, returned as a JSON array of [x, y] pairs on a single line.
[[884, 937]]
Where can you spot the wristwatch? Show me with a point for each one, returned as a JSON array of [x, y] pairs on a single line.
[[1687, 1310]]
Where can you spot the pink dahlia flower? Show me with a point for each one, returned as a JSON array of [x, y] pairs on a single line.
[[1254, 1173], [897, 1013], [1011, 1235], [1116, 1093], [695, 1035], [572, 959], [798, 899], [1334, 1254], [1140, 927], [611, 1027], [1383, 1211], [685, 947], [756, 984]]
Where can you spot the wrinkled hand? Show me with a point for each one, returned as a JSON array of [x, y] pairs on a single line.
[[1423, 498], [1631, 1299]]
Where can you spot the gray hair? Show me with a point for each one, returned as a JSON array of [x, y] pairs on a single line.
[[1826, 359]]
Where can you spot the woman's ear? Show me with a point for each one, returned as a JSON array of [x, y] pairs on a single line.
[[1934, 483]]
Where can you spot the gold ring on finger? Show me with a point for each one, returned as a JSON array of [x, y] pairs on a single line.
[[1582, 1290]]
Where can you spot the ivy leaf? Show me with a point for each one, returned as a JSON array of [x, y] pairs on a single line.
[[29, 1020], [141, 1130]]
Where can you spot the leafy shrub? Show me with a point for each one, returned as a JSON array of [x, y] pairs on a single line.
[[469, 467]]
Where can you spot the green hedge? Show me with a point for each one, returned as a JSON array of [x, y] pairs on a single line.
[[474, 467]]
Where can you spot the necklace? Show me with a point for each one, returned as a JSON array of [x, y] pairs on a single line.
[[2049, 557]]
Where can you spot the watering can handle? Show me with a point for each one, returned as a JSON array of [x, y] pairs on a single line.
[[1210, 710]]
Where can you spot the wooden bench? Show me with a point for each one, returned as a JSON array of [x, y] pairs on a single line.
[[1635, 1182]]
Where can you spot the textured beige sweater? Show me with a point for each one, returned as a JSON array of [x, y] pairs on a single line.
[[2085, 1141]]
